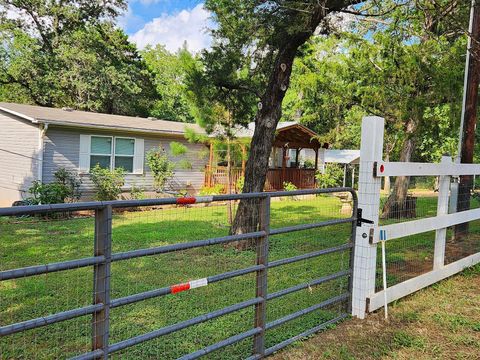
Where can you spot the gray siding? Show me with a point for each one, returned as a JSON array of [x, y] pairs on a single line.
[[62, 147], [19, 158]]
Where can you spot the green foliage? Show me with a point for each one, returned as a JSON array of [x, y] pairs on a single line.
[[309, 164], [108, 183], [72, 182], [288, 186], [137, 193], [332, 176], [53, 193], [169, 72], [177, 149], [161, 167], [212, 190], [239, 184], [72, 55], [194, 137], [65, 188]]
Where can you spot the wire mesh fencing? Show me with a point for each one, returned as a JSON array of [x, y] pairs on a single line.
[[174, 278], [410, 256]]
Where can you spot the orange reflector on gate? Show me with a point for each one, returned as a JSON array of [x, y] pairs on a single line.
[[186, 200], [179, 288]]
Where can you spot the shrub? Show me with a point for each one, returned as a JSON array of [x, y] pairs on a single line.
[[240, 183], [137, 193], [288, 186], [71, 180], [108, 183], [332, 177], [309, 164], [212, 190], [161, 166], [53, 193], [65, 188]]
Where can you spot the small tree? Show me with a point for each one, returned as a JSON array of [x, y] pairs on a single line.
[[161, 166], [108, 183]]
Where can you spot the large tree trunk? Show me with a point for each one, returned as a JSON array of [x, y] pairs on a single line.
[[470, 120], [267, 118], [396, 205]]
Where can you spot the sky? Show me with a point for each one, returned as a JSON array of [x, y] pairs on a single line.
[[167, 22]]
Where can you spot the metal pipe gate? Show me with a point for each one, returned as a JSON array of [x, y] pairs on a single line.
[[103, 258]]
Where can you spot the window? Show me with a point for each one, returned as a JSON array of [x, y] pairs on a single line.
[[101, 151], [124, 153], [112, 152]]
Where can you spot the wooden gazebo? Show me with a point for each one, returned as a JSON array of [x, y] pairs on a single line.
[[290, 139]]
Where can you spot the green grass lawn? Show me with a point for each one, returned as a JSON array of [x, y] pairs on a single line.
[[32, 241]]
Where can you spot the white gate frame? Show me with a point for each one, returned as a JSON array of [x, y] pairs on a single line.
[[372, 169]]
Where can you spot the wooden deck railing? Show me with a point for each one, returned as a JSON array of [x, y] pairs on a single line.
[[301, 178]]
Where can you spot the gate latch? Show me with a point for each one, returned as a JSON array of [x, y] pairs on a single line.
[[360, 219]]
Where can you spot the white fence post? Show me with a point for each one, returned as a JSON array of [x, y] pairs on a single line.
[[442, 209], [365, 256]]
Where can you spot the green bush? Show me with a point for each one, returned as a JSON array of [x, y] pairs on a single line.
[[332, 177], [53, 193], [212, 190], [71, 180], [161, 166], [309, 164], [137, 193], [288, 186], [240, 183], [108, 183], [65, 188]]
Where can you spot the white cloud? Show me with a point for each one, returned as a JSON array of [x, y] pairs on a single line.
[[172, 30], [129, 21]]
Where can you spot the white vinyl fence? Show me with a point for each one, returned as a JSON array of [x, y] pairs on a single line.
[[415, 244]]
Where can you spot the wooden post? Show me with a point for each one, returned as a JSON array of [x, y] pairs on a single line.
[[210, 166], [284, 164], [261, 278], [296, 157], [316, 168], [101, 291], [244, 154]]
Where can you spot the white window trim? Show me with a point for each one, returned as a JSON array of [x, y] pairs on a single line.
[[113, 149]]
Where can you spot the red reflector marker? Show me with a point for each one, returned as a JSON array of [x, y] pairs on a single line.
[[382, 168], [186, 200], [179, 288]]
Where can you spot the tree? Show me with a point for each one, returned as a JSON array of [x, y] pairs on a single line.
[[404, 64], [169, 71], [270, 33], [217, 107], [70, 54]]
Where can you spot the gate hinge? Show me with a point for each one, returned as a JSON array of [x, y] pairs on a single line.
[[361, 220]]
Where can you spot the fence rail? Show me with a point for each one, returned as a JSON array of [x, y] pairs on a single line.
[[103, 258]]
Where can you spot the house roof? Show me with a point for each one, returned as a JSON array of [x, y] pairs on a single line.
[[342, 156], [75, 118]]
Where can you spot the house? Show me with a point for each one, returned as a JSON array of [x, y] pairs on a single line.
[[35, 141], [293, 142]]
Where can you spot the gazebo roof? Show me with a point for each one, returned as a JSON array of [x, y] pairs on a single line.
[[289, 133], [296, 136]]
